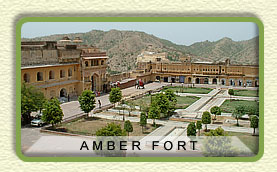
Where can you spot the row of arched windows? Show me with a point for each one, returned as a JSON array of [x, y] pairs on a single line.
[[94, 63], [209, 70], [26, 76]]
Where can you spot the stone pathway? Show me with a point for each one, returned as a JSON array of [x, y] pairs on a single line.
[[196, 106], [73, 108]]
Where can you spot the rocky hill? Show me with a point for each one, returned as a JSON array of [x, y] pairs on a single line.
[[123, 47]]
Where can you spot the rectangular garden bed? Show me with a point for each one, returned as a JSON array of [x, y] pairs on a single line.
[[89, 126]]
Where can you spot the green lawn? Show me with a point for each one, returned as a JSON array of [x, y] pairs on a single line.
[[229, 106], [145, 99], [182, 101], [185, 101], [189, 90], [247, 93], [252, 142]]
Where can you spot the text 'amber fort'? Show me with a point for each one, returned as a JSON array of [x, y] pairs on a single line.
[[67, 67]]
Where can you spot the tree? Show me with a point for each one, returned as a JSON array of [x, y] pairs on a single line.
[[254, 122], [109, 132], [191, 129], [199, 126], [115, 95], [32, 99], [111, 129], [87, 101], [231, 92], [161, 102], [216, 111], [52, 112], [217, 132], [154, 112], [253, 110], [171, 96], [143, 120], [128, 126], [206, 119], [123, 103], [238, 113]]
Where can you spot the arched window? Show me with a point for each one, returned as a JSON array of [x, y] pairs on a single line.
[[39, 76], [86, 64], [102, 62], [62, 73], [26, 77], [69, 72], [51, 74], [189, 80]]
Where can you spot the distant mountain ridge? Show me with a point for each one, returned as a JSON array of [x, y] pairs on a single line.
[[123, 47]]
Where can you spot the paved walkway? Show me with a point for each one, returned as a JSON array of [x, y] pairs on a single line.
[[73, 108], [202, 101]]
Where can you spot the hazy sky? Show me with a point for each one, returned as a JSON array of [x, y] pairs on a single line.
[[178, 32]]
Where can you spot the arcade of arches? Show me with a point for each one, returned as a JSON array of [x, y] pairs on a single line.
[[249, 82]]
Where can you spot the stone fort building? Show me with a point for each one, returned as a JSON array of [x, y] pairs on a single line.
[[153, 66], [64, 68], [67, 67]]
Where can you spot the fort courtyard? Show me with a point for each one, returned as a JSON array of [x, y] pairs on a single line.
[[67, 68]]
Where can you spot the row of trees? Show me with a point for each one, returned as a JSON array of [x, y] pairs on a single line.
[[238, 113], [87, 99], [192, 127], [32, 100], [162, 105], [253, 114]]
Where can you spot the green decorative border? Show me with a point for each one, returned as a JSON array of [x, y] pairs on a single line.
[[139, 19]]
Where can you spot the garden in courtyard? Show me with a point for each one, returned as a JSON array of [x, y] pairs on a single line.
[[194, 90], [160, 105], [230, 105], [182, 101]]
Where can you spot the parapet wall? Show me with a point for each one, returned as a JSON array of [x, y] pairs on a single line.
[[36, 57], [118, 77]]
